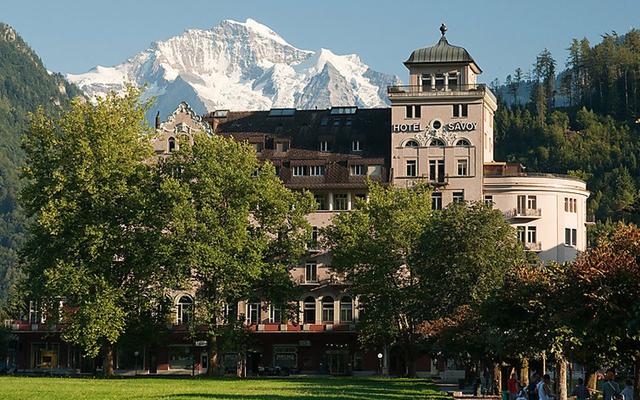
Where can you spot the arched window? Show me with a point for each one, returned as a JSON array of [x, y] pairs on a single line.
[[436, 143], [411, 143], [346, 309], [184, 310], [463, 142], [172, 144], [327, 309], [309, 310]]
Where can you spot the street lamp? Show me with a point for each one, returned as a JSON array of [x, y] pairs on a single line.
[[380, 362]]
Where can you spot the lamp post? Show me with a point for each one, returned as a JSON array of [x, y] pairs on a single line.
[[380, 362]]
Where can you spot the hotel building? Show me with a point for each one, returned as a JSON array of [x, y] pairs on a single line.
[[439, 128]]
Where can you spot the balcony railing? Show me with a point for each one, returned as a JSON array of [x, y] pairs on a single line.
[[329, 280], [533, 246], [451, 90], [524, 213]]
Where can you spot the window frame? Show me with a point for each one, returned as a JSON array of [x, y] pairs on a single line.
[[411, 168], [311, 272]]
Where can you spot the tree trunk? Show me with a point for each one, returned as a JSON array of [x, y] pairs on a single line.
[[497, 376], [524, 372], [562, 378], [108, 360], [591, 378], [213, 367], [410, 360]]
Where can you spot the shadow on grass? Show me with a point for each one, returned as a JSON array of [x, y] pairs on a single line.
[[333, 388]]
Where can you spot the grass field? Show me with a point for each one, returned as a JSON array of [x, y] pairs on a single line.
[[298, 388]]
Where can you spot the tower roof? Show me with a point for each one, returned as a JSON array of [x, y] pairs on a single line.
[[442, 52]]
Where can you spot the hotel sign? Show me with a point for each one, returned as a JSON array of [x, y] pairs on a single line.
[[449, 127]]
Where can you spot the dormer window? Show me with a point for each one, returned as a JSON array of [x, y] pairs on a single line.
[[171, 144], [357, 170], [355, 145], [324, 145], [453, 79]]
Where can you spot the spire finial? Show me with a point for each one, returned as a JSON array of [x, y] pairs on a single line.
[[443, 28]]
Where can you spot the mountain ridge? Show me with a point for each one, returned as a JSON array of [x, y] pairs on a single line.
[[240, 65]]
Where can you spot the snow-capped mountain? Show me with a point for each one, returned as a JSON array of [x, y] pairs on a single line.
[[240, 66]]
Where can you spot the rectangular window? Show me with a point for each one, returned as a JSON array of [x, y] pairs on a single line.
[[327, 311], [311, 272], [253, 313], [567, 236], [309, 316], [570, 205], [413, 111], [357, 170], [346, 311], [566, 204], [411, 168], [453, 79], [355, 145], [340, 202], [458, 197], [282, 146], [436, 201], [436, 170], [532, 236], [320, 201], [275, 314], [574, 237], [298, 170], [532, 202], [463, 168], [324, 145], [313, 242], [521, 231], [460, 110], [488, 200], [316, 170]]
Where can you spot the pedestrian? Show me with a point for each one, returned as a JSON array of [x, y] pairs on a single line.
[[532, 388], [581, 392], [512, 386], [627, 392], [610, 388], [544, 388], [477, 388]]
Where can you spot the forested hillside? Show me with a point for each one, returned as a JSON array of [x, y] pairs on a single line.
[[25, 84], [595, 134]]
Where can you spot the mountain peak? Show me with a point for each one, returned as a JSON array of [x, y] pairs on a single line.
[[240, 65]]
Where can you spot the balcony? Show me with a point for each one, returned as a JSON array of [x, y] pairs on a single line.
[[329, 280], [533, 246], [473, 90], [524, 213]]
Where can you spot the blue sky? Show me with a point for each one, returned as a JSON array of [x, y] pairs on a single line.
[[74, 36]]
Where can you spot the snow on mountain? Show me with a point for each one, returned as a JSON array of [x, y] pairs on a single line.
[[240, 66]]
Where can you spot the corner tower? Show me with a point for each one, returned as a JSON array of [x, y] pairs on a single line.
[[442, 123]]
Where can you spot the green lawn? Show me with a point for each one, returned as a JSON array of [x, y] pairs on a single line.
[[298, 388]]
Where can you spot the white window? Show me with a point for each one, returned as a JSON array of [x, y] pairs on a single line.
[[298, 170], [316, 170], [532, 236], [436, 201], [522, 233], [346, 309], [532, 202], [463, 169], [570, 236], [324, 145], [357, 169], [488, 200], [327, 309], [436, 170], [411, 168], [311, 272], [340, 202], [458, 197], [275, 314], [309, 316], [355, 145], [253, 313], [313, 242], [413, 111], [184, 310]]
